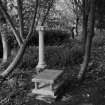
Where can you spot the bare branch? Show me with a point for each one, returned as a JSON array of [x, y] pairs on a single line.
[[33, 21]]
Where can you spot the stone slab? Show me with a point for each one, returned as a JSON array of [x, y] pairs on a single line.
[[47, 99], [48, 75], [43, 91]]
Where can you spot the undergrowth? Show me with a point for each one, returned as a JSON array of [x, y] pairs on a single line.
[[14, 90]]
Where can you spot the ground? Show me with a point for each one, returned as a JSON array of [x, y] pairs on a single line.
[[16, 90]]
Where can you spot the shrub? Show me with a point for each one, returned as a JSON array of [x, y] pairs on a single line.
[[30, 58], [98, 41], [63, 56], [76, 55], [51, 38], [99, 38], [55, 57]]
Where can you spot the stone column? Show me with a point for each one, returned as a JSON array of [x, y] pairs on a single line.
[[41, 62]]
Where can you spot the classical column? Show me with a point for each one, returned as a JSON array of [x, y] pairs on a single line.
[[41, 63]]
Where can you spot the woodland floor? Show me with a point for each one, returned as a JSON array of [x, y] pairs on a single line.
[[90, 92]]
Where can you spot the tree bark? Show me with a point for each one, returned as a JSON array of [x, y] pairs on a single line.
[[5, 45], [84, 26], [21, 51], [20, 5], [88, 41], [84, 65], [84, 32], [23, 46], [7, 17], [76, 28]]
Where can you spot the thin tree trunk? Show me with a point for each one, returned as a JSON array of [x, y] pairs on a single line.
[[77, 20], [20, 5], [5, 45], [88, 41], [84, 26], [7, 17], [84, 65], [21, 51], [84, 32]]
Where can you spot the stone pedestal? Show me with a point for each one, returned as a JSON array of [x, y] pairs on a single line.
[[41, 62], [47, 83]]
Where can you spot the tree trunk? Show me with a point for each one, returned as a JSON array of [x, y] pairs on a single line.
[[15, 61], [76, 28], [20, 6], [84, 65], [21, 51], [8, 19], [23, 46], [84, 32], [5, 45], [88, 41], [84, 26]]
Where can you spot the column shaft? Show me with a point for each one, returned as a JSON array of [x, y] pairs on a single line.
[[41, 63]]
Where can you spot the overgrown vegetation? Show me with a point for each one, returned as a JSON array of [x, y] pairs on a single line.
[[67, 56], [82, 61]]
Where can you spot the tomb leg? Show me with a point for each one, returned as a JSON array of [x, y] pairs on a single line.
[[51, 87], [36, 86]]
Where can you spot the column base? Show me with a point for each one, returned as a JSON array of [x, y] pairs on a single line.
[[40, 67]]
